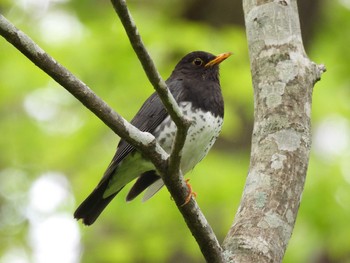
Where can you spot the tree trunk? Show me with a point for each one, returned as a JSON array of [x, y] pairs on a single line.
[[283, 79]]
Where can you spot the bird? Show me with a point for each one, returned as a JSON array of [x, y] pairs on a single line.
[[195, 85]]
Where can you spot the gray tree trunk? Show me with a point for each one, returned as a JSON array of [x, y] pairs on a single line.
[[283, 79]]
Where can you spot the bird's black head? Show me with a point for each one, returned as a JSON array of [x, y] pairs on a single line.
[[200, 64]]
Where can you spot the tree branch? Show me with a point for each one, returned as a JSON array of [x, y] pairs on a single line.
[[173, 178], [283, 79], [182, 123], [147, 63], [141, 140], [144, 142]]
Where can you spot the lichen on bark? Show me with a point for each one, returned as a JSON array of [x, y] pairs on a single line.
[[283, 80]]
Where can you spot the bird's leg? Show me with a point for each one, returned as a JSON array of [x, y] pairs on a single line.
[[190, 193]]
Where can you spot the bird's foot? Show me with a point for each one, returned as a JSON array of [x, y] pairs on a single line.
[[190, 193]]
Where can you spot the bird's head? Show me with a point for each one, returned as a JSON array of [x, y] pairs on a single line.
[[200, 64]]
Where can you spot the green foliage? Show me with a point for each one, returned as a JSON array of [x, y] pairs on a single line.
[[44, 129]]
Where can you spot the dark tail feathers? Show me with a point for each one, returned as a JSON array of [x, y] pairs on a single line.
[[93, 205], [144, 180]]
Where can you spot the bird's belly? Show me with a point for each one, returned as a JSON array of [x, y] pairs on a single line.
[[204, 130]]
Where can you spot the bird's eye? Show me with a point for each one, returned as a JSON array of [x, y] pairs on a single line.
[[197, 62]]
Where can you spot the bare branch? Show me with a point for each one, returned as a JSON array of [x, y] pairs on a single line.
[[147, 63], [173, 178], [158, 83], [283, 79], [143, 141]]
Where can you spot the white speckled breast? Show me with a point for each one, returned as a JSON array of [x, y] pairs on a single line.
[[204, 130]]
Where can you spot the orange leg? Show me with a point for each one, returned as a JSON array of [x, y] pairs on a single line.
[[190, 193]]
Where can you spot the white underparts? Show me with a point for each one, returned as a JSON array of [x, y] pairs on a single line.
[[202, 134]]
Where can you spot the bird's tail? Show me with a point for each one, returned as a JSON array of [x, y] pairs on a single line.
[[94, 204]]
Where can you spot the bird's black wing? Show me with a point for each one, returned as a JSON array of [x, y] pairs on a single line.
[[150, 115], [147, 119]]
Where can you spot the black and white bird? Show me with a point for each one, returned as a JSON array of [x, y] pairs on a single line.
[[195, 85]]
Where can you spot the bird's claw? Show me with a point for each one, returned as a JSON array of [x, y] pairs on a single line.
[[190, 193]]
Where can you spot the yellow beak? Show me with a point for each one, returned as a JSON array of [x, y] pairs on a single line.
[[218, 59]]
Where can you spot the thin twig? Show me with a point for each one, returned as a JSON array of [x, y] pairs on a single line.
[[182, 123], [147, 63]]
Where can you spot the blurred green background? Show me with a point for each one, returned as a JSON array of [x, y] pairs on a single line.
[[54, 151]]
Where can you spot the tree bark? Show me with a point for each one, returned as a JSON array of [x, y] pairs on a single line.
[[283, 80]]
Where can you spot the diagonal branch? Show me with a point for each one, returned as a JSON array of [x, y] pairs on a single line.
[[147, 63], [158, 83], [143, 141], [173, 179]]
